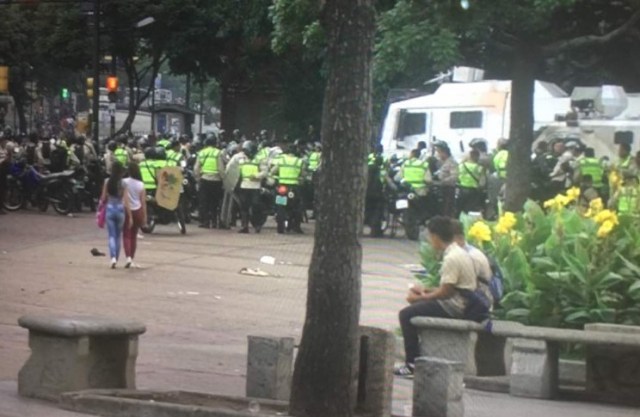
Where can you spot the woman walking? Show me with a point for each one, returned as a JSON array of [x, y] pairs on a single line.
[[138, 212], [116, 200]]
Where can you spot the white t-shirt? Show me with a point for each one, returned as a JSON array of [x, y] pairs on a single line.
[[134, 188]]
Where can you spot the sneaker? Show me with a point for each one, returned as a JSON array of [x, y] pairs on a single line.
[[113, 263], [404, 370], [129, 262]]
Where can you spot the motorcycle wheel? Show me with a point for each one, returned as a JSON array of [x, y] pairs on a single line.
[[14, 197], [151, 221], [63, 202], [411, 226], [182, 224]]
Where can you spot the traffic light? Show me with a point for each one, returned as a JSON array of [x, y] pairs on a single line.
[[89, 87], [64, 93], [112, 84], [4, 79]]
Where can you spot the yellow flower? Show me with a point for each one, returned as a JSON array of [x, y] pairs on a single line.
[[506, 223], [606, 216], [596, 205], [557, 203], [515, 238], [480, 232], [606, 228], [573, 193]]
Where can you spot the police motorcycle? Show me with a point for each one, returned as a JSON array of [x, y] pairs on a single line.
[[26, 184], [189, 199], [288, 204], [156, 214]]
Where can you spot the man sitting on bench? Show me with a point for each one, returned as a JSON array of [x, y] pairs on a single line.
[[459, 271]]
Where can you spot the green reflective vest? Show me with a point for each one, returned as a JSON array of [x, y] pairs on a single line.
[[249, 169], [628, 200], [148, 173], [289, 169], [173, 158], [469, 175], [414, 171], [500, 163], [163, 143], [626, 163], [314, 161], [262, 155], [122, 156], [208, 158], [591, 166]]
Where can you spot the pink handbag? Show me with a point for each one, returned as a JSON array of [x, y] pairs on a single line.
[[101, 215]]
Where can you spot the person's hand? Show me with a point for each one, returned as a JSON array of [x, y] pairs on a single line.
[[414, 297], [417, 289]]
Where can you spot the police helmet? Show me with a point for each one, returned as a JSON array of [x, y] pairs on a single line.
[[479, 144], [161, 153], [150, 153], [112, 145], [249, 148], [209, 141]]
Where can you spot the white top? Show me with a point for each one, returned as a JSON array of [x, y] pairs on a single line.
[[134, 188]]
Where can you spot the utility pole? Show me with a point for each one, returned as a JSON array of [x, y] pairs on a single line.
[[113, 97], [201, 106], [95, 117], [187, 103]]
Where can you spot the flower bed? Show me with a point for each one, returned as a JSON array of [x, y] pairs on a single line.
[[563, 267]]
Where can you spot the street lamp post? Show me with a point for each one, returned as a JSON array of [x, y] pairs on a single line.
[[95, 117]]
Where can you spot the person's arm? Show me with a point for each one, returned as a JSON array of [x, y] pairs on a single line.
[[103, 196], [197, 168], [143, 201], [127, 204], [443, 292], [222, 167]]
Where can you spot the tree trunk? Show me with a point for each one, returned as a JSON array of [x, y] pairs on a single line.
[[325, 376], [518, 182]]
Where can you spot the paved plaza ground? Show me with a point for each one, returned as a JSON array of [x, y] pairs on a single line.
[[197, 307]]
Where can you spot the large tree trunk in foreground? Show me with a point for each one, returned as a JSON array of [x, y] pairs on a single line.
[[521, 135], [324, 381]]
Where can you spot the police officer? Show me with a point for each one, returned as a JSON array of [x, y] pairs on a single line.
[[121, 153], [209, 170], [471, 181], [500, 160], [626, 200], [164, 142], [590, 165], [541, 167], [447, 178], [252, 172], [174, 156], [289, 169], [416, 173], [148, 169], [374, 200]]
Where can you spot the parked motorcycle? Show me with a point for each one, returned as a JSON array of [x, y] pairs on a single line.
[[160, 215], [26, 184], [414, 210], [287, 205]]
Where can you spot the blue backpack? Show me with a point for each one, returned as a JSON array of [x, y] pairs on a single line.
[[496, 283]]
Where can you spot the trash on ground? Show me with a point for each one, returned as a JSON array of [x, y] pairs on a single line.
[[96, 252], [269, 260], [257, 272]]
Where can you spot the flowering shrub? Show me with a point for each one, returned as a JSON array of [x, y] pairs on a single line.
[[564, 267]]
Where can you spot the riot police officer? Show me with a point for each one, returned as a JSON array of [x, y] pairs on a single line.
[[209, 168], [252, 172]]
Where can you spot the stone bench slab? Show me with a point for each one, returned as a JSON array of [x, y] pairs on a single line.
[[81, 325], [76, 353]]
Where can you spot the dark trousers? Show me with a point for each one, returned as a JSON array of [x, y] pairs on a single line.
[[210, 197], [292, 212], [449, 201], [409, 332], [251, 208], [471, 199], [4, 171]]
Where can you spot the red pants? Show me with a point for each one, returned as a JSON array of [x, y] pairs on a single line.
[[130, 234]]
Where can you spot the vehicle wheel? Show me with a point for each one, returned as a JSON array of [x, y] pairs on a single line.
[[14, 197], [411, 226], [63, 202], [151, 220], [182, 224]]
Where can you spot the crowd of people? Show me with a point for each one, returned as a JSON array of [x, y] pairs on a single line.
[[233, 171], [477, 182]]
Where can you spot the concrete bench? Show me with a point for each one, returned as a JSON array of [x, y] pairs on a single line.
[[77, 353], [534, 371]]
